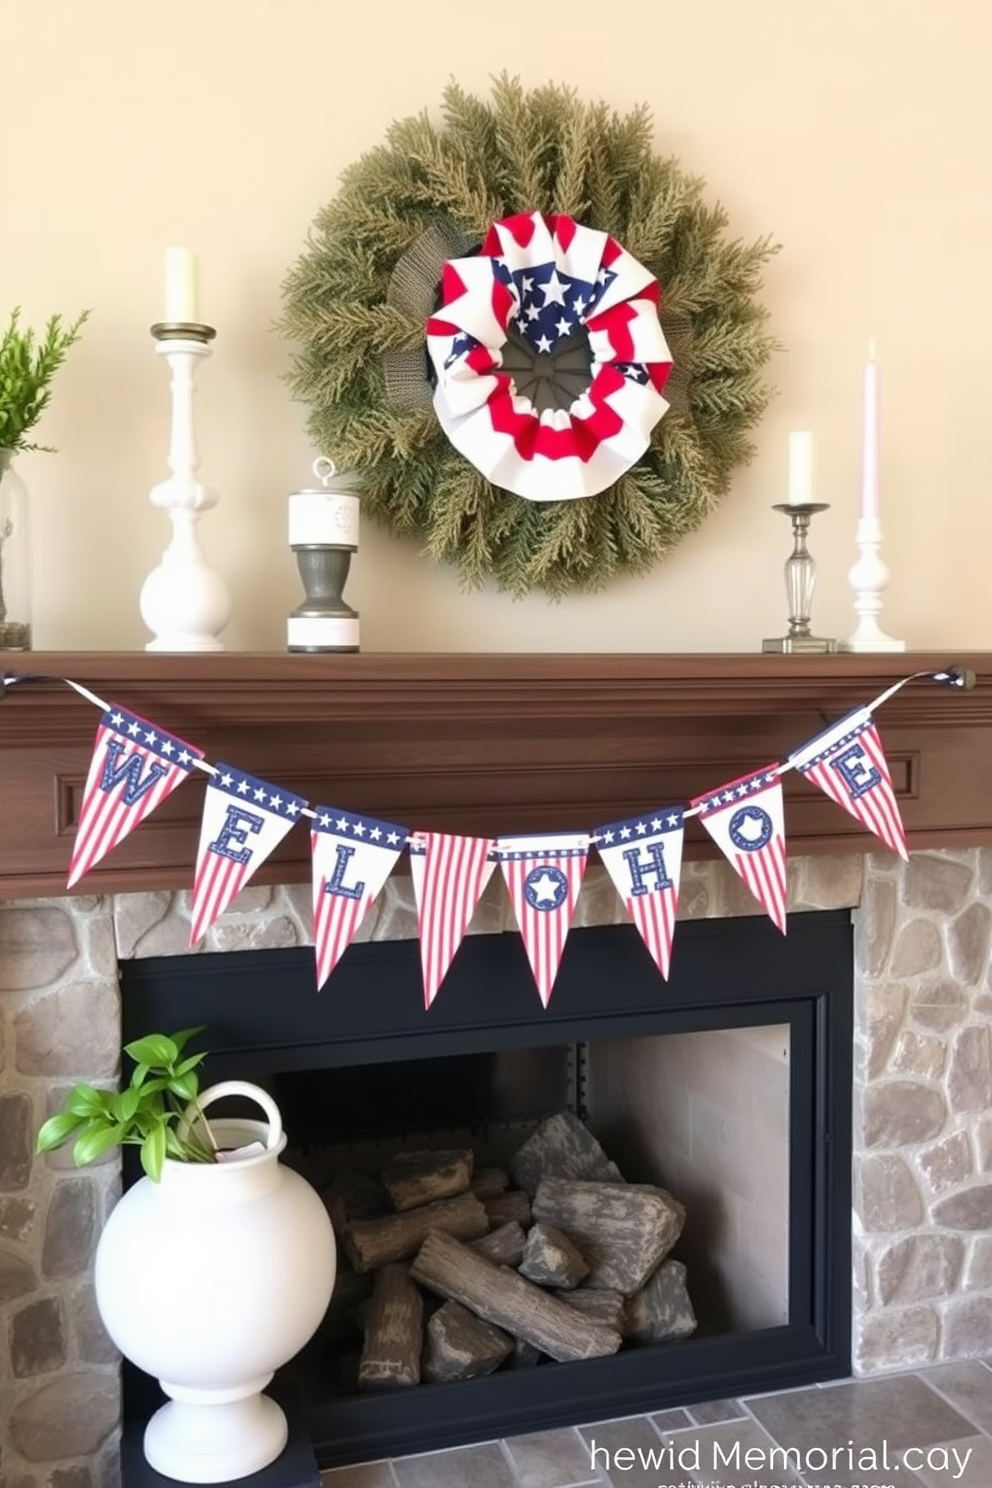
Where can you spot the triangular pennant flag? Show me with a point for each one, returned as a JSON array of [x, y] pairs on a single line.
[[643, 856], [134, 766], [449, 874], [847, 761], [746, 821], [544, 875], [244, 821], [352, 858]]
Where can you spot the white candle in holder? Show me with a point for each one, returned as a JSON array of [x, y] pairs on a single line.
[[800, 467], [182, 287], [869, 449]]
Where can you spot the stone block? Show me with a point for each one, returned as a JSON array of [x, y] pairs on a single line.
[[137, 918], [73, 1031], [875, 925], [72, 1416], [969, 1074], [273, 933], [599, 902], [982, 1134], [947, 1163], [937, 883], [70, 1477], [16, 1142], [977, 1275], [917, 1267], [92, 1342], [971, 1209], [834, 881], [937, 1005], [897, 1113], [37, 1338], [967, 1328], [969, 939], [17, 1275], [899, 1338], [917, 949], [919, 1054], [37, 946], [886, 1195], [70, 1229], [17, 1218], [885, 1007]]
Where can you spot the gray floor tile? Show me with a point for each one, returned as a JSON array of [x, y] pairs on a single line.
[[670, 1420], [711, 1411], [364, 1475], [719, 1454], [887, 1414], [462, 1467], [551, 1459], [968, 1387], [961, 1464], [630, 1452]]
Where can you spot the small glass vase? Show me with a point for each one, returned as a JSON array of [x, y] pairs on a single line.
[[15, 558]]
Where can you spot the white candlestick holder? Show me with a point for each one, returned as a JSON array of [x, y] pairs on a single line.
[[183, 602], [868, 577]]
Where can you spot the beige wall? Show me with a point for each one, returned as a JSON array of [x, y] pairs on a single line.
[[856, 132]]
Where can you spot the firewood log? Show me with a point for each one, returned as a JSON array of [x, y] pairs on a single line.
[[394, 1332], [458, 1345], [504, 1247], [370, 1243], [414, 1178], [624, 1230], [498, 1295]]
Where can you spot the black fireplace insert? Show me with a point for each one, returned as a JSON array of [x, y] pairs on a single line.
[[362, 1060]]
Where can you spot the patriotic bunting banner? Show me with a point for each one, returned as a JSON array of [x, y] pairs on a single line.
[[244, 821], [847, 761], [643, 856], [352, 858], [543, 876], [746, 821], [449, 874], [134, 766]]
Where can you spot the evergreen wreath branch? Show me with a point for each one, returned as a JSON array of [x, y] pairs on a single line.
[[543, 150]]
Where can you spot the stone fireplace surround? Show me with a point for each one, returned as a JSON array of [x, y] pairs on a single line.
[[923, 1082]]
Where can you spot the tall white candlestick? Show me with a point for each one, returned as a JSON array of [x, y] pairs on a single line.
[[800, 467], [869, 449], [182, 287]]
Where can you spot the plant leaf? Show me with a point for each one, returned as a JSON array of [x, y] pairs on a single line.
[[95, 1140], [86, 1100], [181, 1039], [57, 1130], [153, 1153], [156, 1049]]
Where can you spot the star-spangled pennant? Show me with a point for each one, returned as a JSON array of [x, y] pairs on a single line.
[[847, 761], [449, 874], [134, 766], [746, 820], [643, 856], [244, 821], [353, 856], [543, 876]]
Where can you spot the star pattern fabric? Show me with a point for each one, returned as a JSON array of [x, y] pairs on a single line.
[[643, 856], [549, 279], [543, 876]]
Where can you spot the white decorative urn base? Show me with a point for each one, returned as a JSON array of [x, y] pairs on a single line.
[[209, 1281]]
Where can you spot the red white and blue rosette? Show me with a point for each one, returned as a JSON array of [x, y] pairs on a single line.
[[547, 279]]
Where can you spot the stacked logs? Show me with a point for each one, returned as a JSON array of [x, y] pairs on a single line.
[[455, 1272]]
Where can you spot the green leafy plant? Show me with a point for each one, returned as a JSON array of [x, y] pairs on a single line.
[[28, 363], [147, 1113]]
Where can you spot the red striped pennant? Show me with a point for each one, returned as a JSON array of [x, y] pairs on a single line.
[[746, 820], [352, 858], [643, 856], [544, 875], [449, 874], [847, 761]]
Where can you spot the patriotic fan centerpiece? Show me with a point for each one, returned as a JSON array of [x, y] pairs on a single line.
[[562, 295], [530, 230]]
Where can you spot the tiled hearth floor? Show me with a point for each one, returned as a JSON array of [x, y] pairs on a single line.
[[943, 1413]]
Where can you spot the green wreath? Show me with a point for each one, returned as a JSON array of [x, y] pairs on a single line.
[[357, 301]]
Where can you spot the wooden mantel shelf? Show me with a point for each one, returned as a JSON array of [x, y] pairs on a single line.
[[479, 744]]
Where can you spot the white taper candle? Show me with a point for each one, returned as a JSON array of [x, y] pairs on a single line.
[[869, 447], [800, 467]]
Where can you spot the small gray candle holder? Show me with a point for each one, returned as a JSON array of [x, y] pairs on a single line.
[[323, 534], [800, 580]]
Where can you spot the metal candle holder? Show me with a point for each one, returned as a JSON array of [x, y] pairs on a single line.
[[323, 535], [800, 579]]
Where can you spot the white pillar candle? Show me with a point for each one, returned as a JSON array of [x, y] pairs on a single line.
[[800, 467], [869, 448], [182, 286]]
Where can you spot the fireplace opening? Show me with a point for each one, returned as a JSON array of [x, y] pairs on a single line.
[[729, 1087]]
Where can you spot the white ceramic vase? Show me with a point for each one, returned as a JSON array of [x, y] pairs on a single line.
[[210, 1280]]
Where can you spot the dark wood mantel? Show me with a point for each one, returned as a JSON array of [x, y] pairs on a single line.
[[480, 744]]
